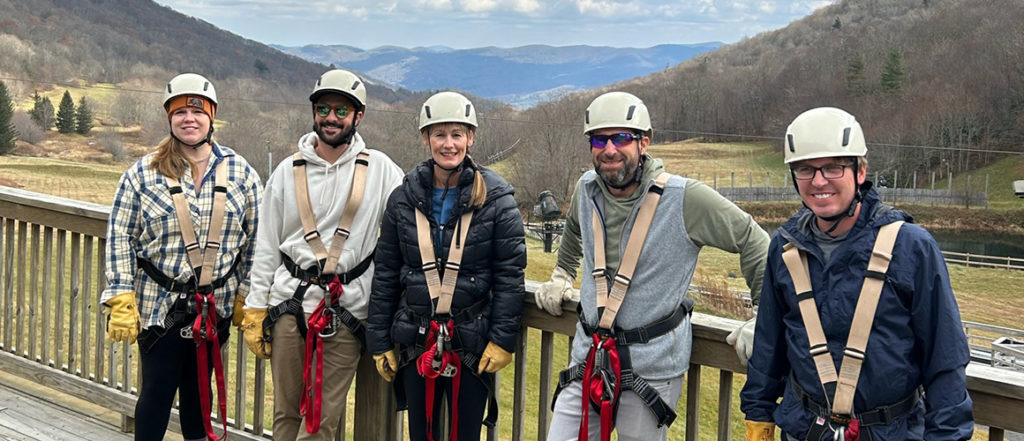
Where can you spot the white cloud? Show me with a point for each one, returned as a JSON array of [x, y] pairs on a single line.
[[606, 8], [479, 5]]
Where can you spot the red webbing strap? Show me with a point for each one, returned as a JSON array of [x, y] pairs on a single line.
[[204, 333], [312, 397], [860, 327], [430, 371], [597, 390]]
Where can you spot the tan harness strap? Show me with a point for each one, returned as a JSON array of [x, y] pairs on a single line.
[[309, 227], [202, 261], [441, 290], [612, 297], [863, 316], [796, 262]]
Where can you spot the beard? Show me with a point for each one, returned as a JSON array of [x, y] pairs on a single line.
[[343, 137], [620, 177]]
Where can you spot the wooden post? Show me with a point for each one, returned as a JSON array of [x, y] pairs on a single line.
[[986, 191], [375, 416], [933, 188], [895, 185], [714, 181], [967, 200]]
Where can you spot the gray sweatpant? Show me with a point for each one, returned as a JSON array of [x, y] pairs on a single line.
[[635, 422]]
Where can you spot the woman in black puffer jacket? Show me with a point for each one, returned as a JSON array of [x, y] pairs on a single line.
[[405, 325]]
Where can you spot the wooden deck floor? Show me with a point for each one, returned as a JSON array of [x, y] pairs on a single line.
[[28, 417]]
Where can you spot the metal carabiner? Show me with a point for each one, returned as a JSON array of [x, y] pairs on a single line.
[[332, 324]]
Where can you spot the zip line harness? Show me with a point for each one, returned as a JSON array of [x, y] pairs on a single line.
[[440, 358], [839, 416], [204, 329], [329, 315], [607, 370]]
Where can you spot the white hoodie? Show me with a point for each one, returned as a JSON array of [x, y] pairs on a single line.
[[280, 228]]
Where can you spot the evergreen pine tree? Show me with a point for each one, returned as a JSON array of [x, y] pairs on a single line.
[[855, 76], [892, 72], [42, 112], [7, 132], [83, 117], [66, 114]]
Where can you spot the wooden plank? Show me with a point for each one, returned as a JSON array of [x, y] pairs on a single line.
[[519, 390], [8, 281], [85, 346], [18, 345], [241, 357], [547, 355], [259, 396], [33, 297], [693, 402], [375, 411], [59, 296], [99, 322], [47, 301], [724, 405], [76, 262]]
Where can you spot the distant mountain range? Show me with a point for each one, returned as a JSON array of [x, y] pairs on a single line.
[[522, 76]]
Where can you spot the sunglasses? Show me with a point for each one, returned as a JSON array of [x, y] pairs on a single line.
[[322, 110], [618, 139]]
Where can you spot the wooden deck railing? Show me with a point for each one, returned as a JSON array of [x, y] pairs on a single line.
[[51, 276]]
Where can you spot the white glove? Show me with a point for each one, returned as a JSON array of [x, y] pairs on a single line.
[[552, 293], [742, 338]]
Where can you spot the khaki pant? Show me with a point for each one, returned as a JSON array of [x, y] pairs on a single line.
[[341, 357]]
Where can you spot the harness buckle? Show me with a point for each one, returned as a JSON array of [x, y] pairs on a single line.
[[185, 332], [840, 419]]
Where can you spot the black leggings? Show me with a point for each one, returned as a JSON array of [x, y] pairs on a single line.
[[169, 367], [472, 403]]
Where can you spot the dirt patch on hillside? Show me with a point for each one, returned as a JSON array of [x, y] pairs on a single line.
[[9, 183]]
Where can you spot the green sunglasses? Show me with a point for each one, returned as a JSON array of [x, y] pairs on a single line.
[[322, 110]]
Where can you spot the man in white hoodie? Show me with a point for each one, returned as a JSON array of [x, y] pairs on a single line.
[[313, 263]]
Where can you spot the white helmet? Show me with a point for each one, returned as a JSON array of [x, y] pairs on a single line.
[[343, 82], [445, 107], [823, 132], [190, 84], [617, 109]]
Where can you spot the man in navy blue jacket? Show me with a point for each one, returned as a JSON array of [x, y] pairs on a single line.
[[911, 383]]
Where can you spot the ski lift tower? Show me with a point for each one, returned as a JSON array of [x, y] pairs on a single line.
[[547, 210]]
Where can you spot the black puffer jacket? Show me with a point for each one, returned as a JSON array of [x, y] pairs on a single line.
[[493, 261]]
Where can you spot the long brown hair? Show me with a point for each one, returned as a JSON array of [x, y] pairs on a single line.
[[479, 195], [168, 159]]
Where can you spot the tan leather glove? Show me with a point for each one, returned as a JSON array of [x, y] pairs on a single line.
[[236, 314], [387, 364], [760, 431], [252, 330], [552, 293], [493, 359], [742, 338], [123, 321]]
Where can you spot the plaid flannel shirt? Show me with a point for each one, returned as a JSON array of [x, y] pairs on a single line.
[[143, 225]]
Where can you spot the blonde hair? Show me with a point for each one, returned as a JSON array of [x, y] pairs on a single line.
[[479, 194], [168, 159]]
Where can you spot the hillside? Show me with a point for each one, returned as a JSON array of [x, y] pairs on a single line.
[[522, 76], [945, 75]]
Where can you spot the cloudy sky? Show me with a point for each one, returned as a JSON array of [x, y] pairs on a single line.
[[504, 23]]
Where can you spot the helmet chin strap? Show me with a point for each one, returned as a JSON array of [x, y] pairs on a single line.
[[205, 140]]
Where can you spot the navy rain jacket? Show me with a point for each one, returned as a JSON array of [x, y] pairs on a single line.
[[917, 338]]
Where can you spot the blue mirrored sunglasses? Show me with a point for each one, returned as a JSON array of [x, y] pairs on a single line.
[[618, 139]]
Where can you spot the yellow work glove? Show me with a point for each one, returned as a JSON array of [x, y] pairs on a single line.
[[493, 359], [387, 364], [252, 331], [123, 321], [550, 295], [760, 431], [236, 314]]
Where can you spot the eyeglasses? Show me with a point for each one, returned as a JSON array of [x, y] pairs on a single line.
[[830, 171], [619, 139], [322, 110]]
